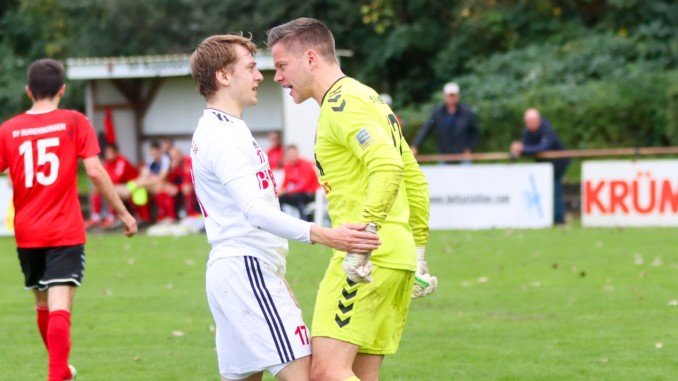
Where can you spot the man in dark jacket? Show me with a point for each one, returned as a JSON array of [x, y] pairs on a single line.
[[454, 123], [539, 136]]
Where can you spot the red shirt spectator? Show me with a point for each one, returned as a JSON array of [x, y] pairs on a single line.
[[300, 177], [276, 153], [300, 183], [118, 167]]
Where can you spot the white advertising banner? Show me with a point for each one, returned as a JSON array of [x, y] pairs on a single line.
[[630, 193], [6, 209], [490, 196]]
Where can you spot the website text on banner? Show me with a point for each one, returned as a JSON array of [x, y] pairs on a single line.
[[630, 193], [490, 196]]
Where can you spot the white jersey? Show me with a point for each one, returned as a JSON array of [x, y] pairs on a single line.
[[222, 150]]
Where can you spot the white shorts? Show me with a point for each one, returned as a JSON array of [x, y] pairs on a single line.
[[259, 324]]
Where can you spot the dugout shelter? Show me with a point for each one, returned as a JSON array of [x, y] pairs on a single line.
[[154, 97]]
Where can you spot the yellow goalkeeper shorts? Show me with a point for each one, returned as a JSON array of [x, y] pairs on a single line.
[[370, 315]]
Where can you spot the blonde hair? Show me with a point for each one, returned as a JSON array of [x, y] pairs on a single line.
[[213, 54]]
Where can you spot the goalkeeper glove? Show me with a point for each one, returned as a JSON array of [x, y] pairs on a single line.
[[424, 283], [358, 267]]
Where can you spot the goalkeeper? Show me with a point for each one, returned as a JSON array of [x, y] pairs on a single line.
[[369, 175]]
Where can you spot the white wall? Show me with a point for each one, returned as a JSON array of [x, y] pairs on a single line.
[[175, 109], [300, 123], [123, 119]]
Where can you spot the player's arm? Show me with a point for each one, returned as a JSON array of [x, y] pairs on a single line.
[[238, 177], [264, 216], [416, 186], [362, 131], [97, 173]]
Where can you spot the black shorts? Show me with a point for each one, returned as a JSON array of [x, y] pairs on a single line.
[[52, 266]]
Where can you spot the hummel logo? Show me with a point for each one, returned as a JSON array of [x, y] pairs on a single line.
[[340, 108], [344, 309], [341, 323]]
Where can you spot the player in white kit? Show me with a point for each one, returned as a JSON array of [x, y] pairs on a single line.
[[259, 323]]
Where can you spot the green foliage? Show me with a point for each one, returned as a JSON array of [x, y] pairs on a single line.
[[561, 56]]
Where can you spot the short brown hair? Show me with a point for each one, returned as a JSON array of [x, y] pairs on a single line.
[[45, 78], [304, 33], [213, 54]]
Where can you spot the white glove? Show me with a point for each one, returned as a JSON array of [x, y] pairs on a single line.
[[424, 283], [358, 267]]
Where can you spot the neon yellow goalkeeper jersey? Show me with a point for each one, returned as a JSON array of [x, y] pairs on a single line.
[[367, 170]]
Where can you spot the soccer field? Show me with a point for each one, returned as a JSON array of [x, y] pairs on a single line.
[[560, 304]]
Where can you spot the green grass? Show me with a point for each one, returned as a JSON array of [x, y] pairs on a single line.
[[561, 304]]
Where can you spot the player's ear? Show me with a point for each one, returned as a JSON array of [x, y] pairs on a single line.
[[29, 93], [312, 58], [61, 91], [223, 77]]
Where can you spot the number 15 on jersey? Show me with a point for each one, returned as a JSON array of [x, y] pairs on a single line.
[[44, 157]]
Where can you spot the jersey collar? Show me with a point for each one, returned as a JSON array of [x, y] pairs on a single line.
[[331, 87]]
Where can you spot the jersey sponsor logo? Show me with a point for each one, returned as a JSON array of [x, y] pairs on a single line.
[[260, 154], [266, 180], [364, 138]]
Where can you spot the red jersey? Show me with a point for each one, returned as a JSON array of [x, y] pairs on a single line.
[[41, 152], [181, 173], [121, 170], [300, 177], [276, 156]]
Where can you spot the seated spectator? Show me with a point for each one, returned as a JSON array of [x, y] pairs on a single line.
[[539, 136], [275, 151], [153, 177], [121, 171], [300, 183], [179, 185]]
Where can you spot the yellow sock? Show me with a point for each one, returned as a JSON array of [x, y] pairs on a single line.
[[352, 378]]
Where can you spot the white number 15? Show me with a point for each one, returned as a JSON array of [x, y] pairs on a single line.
[[26, 150]]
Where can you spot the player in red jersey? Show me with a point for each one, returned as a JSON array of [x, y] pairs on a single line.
[[41, 148], [179, 185], [120, 171]]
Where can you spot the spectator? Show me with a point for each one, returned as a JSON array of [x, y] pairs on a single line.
[[166, 144], [153, 176], [539, 136], [179, 185], [275, 152], [301, 181], [454, 123], [120, 171]]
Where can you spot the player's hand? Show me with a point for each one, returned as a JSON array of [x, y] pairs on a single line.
[[424, 283], [358, 267], [130, 224], [351, 238], [516, 148]]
